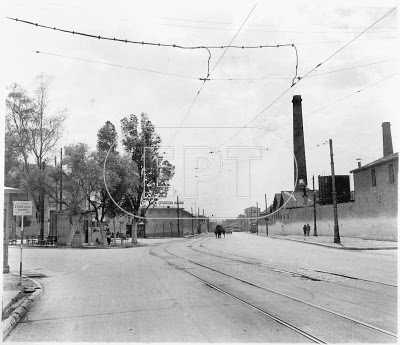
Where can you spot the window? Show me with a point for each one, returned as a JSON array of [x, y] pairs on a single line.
[[373, 178], [391, 174]]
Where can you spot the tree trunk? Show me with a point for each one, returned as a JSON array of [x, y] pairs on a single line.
[[115, 233], [103, 238], [134, 231], [75, 223]]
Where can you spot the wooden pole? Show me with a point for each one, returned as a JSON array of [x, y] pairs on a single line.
[[266, 213], [336, 238], [177, 208], [315, 209], [61, 182]]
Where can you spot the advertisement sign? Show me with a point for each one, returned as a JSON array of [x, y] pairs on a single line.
[[22, 208]]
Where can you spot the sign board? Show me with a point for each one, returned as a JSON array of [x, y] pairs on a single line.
[[169, 202], [22, 208]]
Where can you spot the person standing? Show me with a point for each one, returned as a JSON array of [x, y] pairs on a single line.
[[305, 230], [308, 229]]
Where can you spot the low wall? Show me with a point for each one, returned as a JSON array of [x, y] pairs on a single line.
[[352, 223], [169, 227]]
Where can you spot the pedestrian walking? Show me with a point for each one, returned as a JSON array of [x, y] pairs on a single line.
[[308, 229], [305, 230], [216, 233], [108, 233], [223, 231], [219, 231]]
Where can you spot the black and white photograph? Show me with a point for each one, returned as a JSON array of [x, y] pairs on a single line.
[[200, 171]]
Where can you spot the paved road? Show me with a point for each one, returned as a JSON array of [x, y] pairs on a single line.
[[129, 295]]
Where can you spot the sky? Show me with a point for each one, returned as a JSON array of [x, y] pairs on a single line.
[[231, 135]]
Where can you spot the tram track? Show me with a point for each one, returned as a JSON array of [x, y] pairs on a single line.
[[284, 270], [261, 288]]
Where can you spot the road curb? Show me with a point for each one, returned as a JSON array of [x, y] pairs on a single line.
[[8, 324], [333, 246]]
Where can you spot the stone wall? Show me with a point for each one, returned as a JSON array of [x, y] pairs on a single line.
[[352, 222]]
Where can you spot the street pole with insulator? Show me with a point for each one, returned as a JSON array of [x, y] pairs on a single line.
[[177, 208], [257, 215], [336, 238], [266, 213], [41, 202], [61, 181], [315, 209]]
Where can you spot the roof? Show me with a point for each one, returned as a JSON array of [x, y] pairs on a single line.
[[294, 199], [10, 190], [381, 161]]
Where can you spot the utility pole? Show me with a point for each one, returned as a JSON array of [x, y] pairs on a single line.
[[55, 165], [315, 209], [257, 215], [61, 183], [191, 211], [204, 222], [336, 238], [177, 208], [41, 202], [266, 213]]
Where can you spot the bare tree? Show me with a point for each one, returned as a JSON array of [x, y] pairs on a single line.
[[31, 135]]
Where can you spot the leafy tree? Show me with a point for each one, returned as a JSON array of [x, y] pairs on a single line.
[[107, 137], [152, 171], [79, 182]]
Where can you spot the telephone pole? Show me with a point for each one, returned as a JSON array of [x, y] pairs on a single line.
[[336, 238], [266, 213], [177, 208], [61, 182], [257, 216], [315, 209], [55, 166], [41, 202]]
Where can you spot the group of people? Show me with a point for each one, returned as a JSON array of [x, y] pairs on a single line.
[[306, 229], [219, 229]]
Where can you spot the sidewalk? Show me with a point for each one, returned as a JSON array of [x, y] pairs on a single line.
[[16, 299], [349, 243]]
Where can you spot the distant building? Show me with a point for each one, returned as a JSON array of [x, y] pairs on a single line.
[[375, 185], [251, 214], [342, 187], [163, 222]]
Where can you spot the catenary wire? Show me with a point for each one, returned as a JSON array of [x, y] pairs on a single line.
[[325, 106], [116, 65], [300, 78], [99, 37], [310, 76], [202, 85], [352, 40]]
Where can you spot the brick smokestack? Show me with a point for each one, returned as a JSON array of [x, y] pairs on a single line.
[[387, 139], [298, 143]]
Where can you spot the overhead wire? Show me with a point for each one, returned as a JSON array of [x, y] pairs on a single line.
[[310, 76], [351, 41], [200, 47], [327, 105], [300, 78], [117, 65], [198, 93]]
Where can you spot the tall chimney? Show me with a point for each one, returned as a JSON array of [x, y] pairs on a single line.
[[298, 144], [387, 139]]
